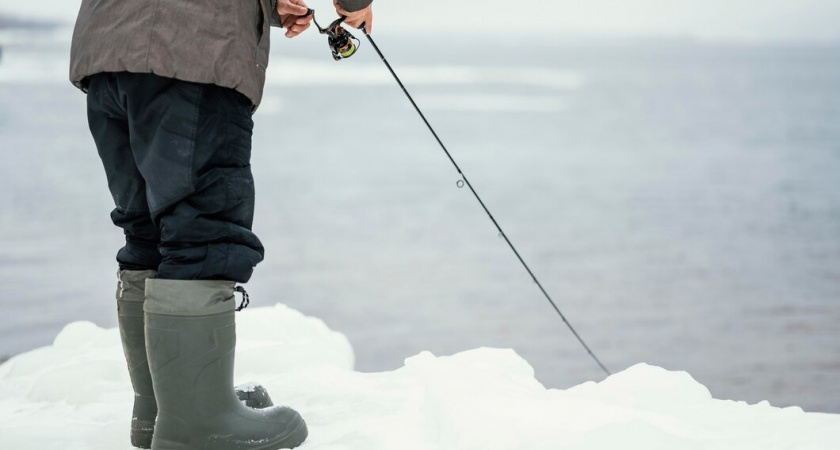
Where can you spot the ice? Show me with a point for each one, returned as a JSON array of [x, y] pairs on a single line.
[[75, 394]]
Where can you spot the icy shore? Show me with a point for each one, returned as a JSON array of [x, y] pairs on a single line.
[[75, 394]]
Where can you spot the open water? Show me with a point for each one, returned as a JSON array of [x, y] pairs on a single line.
[[679, 200]]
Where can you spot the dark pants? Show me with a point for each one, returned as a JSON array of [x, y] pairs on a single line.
[[177, 158]]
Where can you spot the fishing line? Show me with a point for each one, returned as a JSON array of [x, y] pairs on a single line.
[[338, 41]]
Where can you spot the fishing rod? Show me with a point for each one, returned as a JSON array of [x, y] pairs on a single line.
[[344, 45]]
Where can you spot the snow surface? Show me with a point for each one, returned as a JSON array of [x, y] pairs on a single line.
[[75, 394]]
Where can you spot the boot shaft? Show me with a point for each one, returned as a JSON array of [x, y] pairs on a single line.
[[190, 341], [131, 296], [130, 300], [192, 360]]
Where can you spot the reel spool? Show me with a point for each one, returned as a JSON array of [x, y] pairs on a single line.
[[341, 42]]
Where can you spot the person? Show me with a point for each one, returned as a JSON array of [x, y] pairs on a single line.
[[171, 87]]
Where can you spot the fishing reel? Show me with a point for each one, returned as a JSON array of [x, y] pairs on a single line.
[[342, 43]]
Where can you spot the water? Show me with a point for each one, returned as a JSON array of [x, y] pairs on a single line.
[[680, 201]]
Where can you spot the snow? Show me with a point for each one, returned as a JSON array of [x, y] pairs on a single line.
[[75, 394]]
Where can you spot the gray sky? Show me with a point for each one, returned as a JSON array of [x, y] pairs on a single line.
[[763, 20]]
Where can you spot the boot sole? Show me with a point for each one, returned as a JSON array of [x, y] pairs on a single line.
[[141, 438], [297, 436]]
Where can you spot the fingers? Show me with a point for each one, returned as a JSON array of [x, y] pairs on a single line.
[[288, 21], [294, 32], [294, 16], [356, 19], [368, 22], [355, 23], [292, 7], [296, 25]]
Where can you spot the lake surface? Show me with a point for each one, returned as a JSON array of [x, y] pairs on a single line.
[[680, 201]]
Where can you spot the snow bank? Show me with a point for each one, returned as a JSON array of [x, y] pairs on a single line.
[[75, 394]]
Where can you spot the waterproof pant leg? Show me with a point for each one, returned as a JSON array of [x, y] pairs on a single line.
[[110, 129], [177, 158]]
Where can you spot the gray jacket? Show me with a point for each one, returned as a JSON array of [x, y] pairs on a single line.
[[222, 42]]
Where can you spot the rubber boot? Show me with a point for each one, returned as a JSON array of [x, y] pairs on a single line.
[[190, 342], [130, 299]]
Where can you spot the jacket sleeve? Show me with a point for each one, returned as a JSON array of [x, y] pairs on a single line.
[[275, 18], [354, 5]]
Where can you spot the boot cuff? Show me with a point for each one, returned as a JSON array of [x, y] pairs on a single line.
[[189, 298], [132, 285]]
